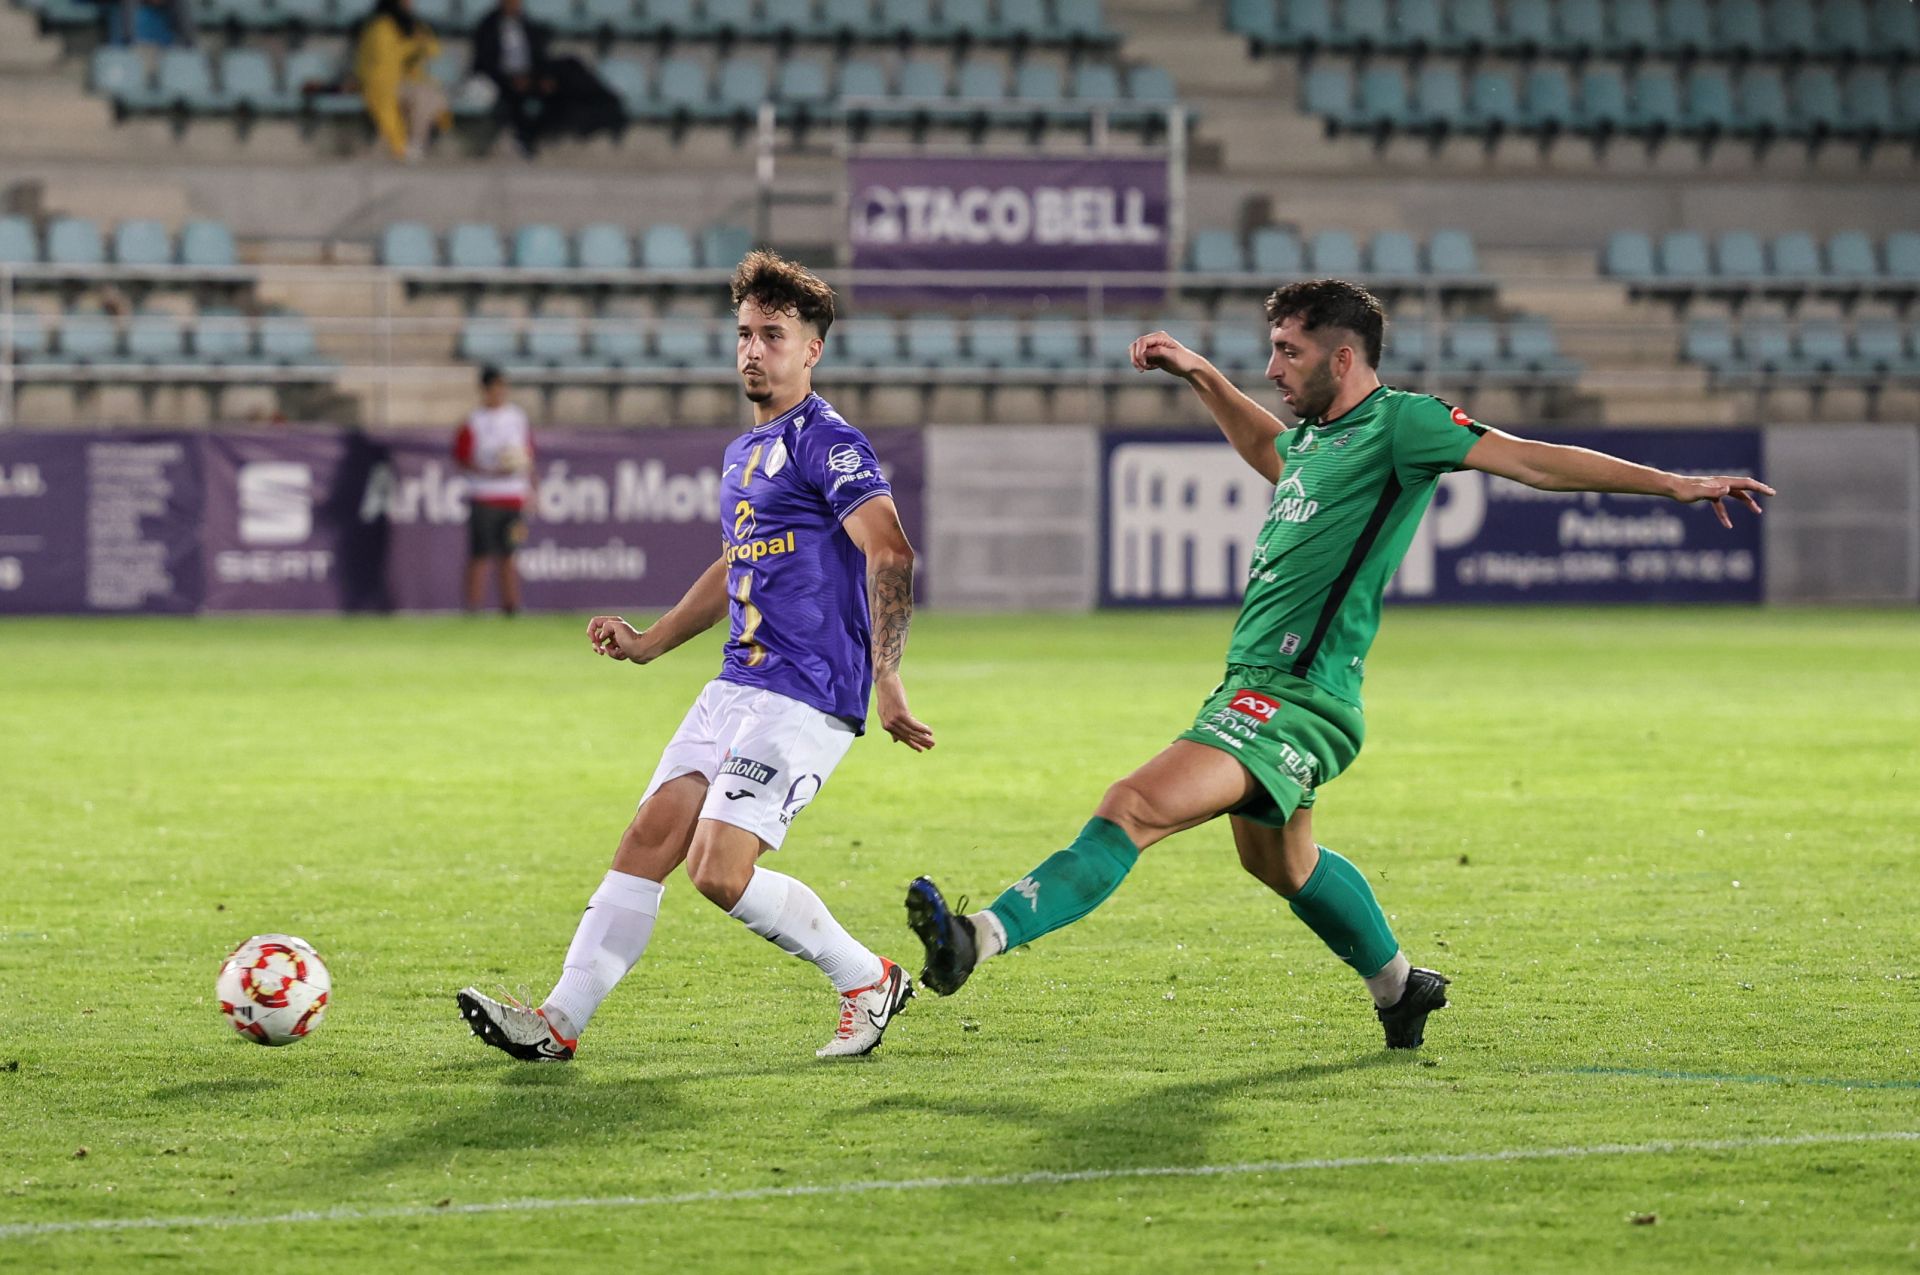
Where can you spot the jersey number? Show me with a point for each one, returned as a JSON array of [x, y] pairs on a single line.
[[750, 619]]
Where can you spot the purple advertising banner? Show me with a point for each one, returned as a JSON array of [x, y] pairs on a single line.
[[1037, 215], [328, 520], [1182, 511]]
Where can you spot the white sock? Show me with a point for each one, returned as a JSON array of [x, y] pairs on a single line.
[[613, 933], [1390, 984], [791, 917], [989, 936]]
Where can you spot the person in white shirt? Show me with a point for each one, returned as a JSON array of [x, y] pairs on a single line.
[[494, 449]]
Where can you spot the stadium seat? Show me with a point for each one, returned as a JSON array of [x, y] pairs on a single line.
[[1850, 257], [87, 337], [474, 245], [207, 245], [1382, 105], [1419, 28], [994, 341], [1533, 347], [1739, 258], [154, 337], [1082, 21], [1766, 345], [408, 245], [120, 74], [1334, 252], [803, 87], [603, 246], [862, 78], [540, 247], [842, 20], [1055, 343], [1906, 100], [1818, 105], [870, 343], [609, 17], [627, 80], [1472, 343], [1879, 347], [74, 241], [1039, 83], [666, 247], [555, 342], [1820, 346], [1150, 86], [1493, 103], [1529, 29], [1654, 104], [1406, 351], [287, 339], [1470, 26], [1216, 252], [981, 79], [1896, 28], [1393, 254], [1903, 256], [486, 340], [307, 69], [1628, 255], [248, 83], [963, 20], [685, 343], [1707, 108], [1302, 26], [933, 341], [1240, 347], [1866, 104], [1634, 31], [722, 247], [1327, 91], [680, 87], [1439, 98], [1709, 342], [220, 336], [142, 243], [1741, 29], [1548, 103], [739, 88], [1580, 29], [1794, 29], [1451, 254], [27, 337], [18, 244], [184, 81], [727, 18], [1019, 21], [1760, 104], [1604, 104], [923, 83], [1276, 253], [1795, 257], [616, 343], [560, 15], [1684, 258]]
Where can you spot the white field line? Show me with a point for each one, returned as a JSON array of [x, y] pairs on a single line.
[[1041, 1177]]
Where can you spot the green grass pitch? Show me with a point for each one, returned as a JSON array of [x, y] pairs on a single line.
[[1668, 858]]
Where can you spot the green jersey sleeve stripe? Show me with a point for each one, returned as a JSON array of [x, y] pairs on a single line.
[[1337, 594]]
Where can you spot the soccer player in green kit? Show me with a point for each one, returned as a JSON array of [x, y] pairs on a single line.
[[1352, 480]]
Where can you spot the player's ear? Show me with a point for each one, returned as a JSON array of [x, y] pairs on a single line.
[[815, 347]]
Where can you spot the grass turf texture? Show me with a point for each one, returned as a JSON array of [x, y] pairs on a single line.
[[1671, 846]]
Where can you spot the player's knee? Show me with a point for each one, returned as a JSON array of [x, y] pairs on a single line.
[[1132, 809], [718, 880]]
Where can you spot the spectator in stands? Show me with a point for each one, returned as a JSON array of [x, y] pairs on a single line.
[[511, 50], [391, 66], [494, 449], [163, 22]]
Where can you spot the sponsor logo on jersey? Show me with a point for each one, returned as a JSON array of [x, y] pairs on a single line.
[[754, 550], [1254, 704], [845, 458], [1289, 644], [1294, 507], [744, 520], [777, 458], [1305, 443], [754, 772], [1462, 419], [802, 791]]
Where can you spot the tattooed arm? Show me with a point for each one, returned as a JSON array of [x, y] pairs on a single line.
[[876, 531]]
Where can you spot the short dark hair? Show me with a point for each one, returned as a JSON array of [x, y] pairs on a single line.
[[491, 376], [779, 286], [1332, 303]]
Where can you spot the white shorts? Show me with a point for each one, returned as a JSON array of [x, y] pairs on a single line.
[[764, 756]]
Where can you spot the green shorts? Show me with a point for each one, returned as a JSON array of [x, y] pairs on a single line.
[[1289, 734]]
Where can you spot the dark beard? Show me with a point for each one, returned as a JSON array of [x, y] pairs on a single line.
[[757, 397], [1317, 395]]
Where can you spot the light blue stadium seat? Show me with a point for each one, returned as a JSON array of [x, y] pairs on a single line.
[[1533, 347], [18, 244], [75, 241], [1021, 20], [1419, 28], [862, 78], [842, 20], [408, 245], [1334, 252], [154, 337], [616, 343], [443, 15], [474, 245], [1548, 103], [1628, 255], [1439, 98], [1654, 105], [555, 342], [1150, 86], [1276, 252], [666, 247], [1239, 347], [308, 14], [87, 337], [869, 342], [1529, 28], [1821, 346], [1394, 254], [1604, 105], [248, 83], [1382, 104], [1634, 30], [1303, 25], [680, 86], [1472, 343], [1817, 102], [1684, 257], [183, 80], [1866, 103], [722, 246], [1407, 350], [804, 86], [963, 18], [1258, 20], [1451, 255], [1493, 103], [1360, 25], [142, 243], [1686, 29], [1906, 100], [1760, 103], [603, 246], [561, 15], [484, 339], [310, 66], [1096, 82], [1580, 28], [907, 21], [728, 17], [933, 341], [1709, 342], [627, 80], [1847, 29], [1796, 257], [221, 336], [1708, 105], [981, 80], [121, 75], [347, 14], [27, 337], [1741, 28], [1850, 257], [1896, 27], [1903, 256], [1327, 91], [1766, 345], [1083, 21], [685, 343], [923, 82], [1471, 26], [1216, 252], [615, 17], [540, 246], [1056, 343], [1738, 257], [739, 87], [1794, 29], [1039, 83], [1110, 340], [994, 341], [287, 339], [1879, 346]]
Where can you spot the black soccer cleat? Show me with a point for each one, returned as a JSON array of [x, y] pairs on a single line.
[[951, 950], [1406, 1019]]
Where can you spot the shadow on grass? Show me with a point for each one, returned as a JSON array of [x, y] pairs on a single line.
[[226, 1089]]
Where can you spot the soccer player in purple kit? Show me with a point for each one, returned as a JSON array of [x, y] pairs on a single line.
[[816, 577]]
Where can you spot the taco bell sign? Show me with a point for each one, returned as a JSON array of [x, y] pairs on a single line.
[[1038, 215]]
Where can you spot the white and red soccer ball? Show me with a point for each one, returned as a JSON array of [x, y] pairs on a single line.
[[274, 989]]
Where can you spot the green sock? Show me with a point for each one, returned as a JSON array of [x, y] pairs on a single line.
[[1337, 904], [1068, 885]]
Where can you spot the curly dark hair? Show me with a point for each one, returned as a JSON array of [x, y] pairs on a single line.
[[779, 286], [1332, 303]]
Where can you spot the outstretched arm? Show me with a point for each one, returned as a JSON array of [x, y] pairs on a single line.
[[703, 606], [1250, 427], [874, 527], [1556, 467]]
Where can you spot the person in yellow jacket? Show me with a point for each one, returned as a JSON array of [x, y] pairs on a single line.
[[391, 66]]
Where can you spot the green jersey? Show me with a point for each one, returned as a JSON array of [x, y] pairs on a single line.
[[1351, 494]]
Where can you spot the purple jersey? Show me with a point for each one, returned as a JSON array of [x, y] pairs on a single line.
[[797, 583]]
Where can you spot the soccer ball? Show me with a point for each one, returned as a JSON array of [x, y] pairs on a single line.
[[274, 989]]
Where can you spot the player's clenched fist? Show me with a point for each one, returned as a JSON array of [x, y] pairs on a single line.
[[612, 636], [1157, 350]]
